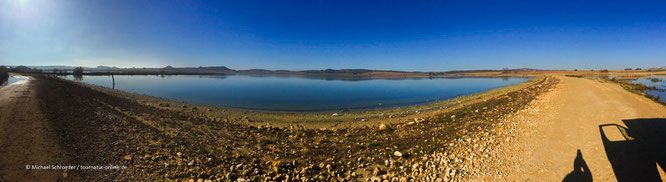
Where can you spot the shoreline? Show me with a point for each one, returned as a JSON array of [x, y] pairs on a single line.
[[322, 119], [635, 88]]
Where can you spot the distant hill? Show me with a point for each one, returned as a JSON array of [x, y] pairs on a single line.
[[59, 67], [103, 70], [526, 69], [351, 71], [217, 68], [657, 68], [52, 67], [468, 71], [106, 67]]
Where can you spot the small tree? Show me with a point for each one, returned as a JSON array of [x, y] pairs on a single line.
[[78, 71]]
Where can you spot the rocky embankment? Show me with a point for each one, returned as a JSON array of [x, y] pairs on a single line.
[[156, 143]]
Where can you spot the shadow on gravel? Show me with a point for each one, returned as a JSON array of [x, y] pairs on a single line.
[[580, 170], [640, 150]]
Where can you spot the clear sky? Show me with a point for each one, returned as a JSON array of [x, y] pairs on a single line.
[[297, 35]]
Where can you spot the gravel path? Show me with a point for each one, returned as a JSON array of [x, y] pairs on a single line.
[[561, 130]]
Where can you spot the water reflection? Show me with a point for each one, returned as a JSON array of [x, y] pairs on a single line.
[[301, 92], [655, 80], [656, 87], [78, 77]]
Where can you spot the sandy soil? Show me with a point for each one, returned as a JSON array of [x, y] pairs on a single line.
[[567, 120]]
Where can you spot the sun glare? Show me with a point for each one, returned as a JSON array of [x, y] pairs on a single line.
[[21, 3]]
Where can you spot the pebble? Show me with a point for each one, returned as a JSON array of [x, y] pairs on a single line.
[[382, 127]]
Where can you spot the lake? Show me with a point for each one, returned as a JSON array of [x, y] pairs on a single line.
[[658, 82], [301, 93]]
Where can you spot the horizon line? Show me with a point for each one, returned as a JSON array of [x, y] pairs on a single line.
[[390, 70]]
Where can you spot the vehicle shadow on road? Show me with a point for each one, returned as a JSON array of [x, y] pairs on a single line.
[[580, 170], [640, 149]]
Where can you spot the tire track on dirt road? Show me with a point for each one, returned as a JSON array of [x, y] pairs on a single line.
[[25, 136]]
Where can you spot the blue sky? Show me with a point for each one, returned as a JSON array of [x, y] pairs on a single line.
[[299, 35]]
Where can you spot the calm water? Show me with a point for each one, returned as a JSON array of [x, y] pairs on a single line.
[[13, 79], [658, 82], [293, 93]]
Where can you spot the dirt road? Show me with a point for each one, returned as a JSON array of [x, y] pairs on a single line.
[[567, 120], [25, 137]]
